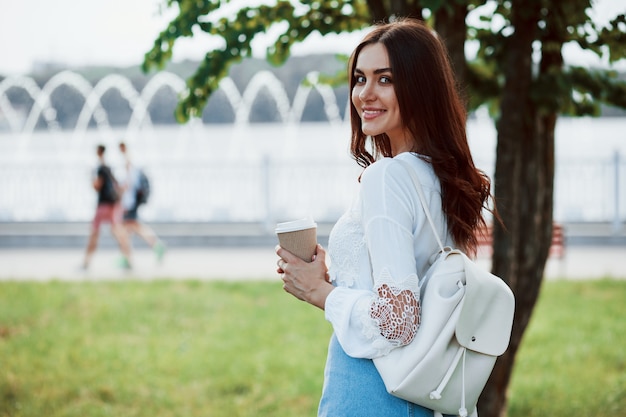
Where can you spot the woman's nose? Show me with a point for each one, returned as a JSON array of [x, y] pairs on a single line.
[[366, 92]]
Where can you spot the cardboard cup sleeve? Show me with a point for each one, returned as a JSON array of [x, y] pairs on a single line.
[[298, 237]]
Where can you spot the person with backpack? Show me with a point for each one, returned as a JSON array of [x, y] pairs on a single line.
[[405, 106], [108, 210], [136, 193]]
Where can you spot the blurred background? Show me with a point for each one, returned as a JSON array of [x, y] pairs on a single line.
[[267, 147]]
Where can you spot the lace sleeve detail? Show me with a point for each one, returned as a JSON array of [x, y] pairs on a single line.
[[396, 310]]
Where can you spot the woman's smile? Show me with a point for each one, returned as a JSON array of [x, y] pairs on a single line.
[[371, 113]]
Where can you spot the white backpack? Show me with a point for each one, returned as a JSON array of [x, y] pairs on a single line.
[[466, 321]]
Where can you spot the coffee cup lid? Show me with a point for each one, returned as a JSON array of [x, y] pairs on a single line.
[[292, 226]]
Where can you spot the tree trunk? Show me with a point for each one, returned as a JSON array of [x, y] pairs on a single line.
[[451, 26], [523, 190], [377, 10], [381, 11]]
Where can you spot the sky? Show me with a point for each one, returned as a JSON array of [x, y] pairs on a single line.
[[120, 32]]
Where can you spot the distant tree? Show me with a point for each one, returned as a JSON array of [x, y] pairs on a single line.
[[519, 72]]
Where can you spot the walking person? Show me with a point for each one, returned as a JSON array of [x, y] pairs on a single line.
[[108, 210], [404, 106], [132, 199]]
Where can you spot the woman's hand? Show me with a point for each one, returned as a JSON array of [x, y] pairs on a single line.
[[307, 281]]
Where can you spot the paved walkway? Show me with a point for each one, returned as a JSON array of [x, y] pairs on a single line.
[[178, 263], [246, 263]]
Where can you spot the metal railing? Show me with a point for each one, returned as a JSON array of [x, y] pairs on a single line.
[[591, 190], [269, 190]]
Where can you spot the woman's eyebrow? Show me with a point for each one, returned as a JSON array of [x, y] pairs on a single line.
[[378, 71]]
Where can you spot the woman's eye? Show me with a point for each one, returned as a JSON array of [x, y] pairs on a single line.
[[359, 79], [385, 80]]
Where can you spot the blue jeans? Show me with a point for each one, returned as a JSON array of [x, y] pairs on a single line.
[[353, 388]]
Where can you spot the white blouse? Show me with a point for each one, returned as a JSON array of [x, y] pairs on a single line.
[[378, 251]]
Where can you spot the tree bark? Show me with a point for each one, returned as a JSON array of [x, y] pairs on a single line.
[[523, 191], [450, 25], [377, 10]]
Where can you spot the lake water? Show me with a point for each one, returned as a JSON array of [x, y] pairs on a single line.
[[272, 172]]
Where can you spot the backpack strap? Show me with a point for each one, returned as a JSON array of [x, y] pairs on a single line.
[[422, 196]]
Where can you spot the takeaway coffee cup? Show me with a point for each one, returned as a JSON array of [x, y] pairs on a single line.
[[298, 237]]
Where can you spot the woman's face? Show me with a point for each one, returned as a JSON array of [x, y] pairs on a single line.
[[374, 97]]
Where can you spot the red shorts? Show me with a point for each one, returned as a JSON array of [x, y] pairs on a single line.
[[107, 213]]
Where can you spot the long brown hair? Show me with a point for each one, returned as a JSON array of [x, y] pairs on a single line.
[[432, 110]]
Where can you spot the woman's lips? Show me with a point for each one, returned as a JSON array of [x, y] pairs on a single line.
[[369, 114]]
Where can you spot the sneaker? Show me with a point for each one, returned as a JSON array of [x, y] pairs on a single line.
[[159, 250], [124, 263]]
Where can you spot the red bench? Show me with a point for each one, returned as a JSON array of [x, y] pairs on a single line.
[[557, 247]]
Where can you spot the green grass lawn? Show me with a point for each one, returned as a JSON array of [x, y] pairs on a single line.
[[188, 348]]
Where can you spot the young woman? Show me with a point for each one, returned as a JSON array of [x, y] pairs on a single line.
[[405, 105]]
